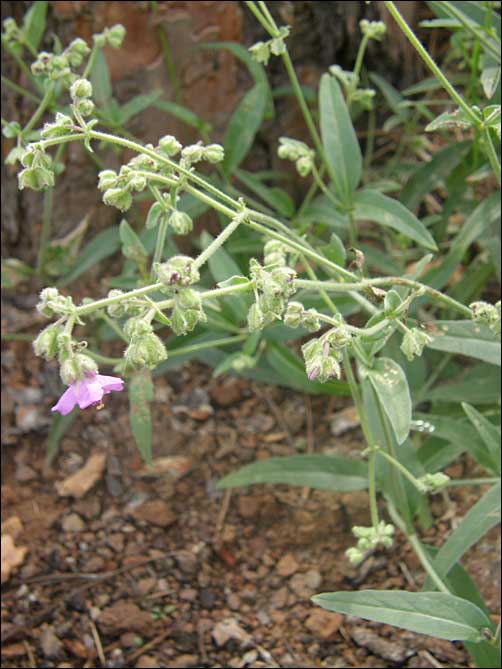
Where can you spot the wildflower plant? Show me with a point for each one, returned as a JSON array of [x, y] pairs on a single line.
[[294, 282]]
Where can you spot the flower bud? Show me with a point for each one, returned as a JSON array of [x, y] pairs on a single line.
[[99, 40], [120, 198], [81, 88], [432, 483], [36, 178], [47, 297], [304, 165], [274, 253], [413, 343], [487, 314], [145, 351], [169, 145], [177, 271], [277, 46], [42, 63], [187, 311], [76, 368], [137, 183], [11, 130], [63, 125], [193, 153], [116, 35], [293, 317], [180, 222], [76, 51], [107, 179], [46, 344], [85, 107], [260, 52], [116, 310], [214, 153], [256, 320], [354, 555]]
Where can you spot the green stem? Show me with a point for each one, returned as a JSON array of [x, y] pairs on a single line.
[[258, 15], [395, 462], [417, 546], [492, 154], [224, 341], [320, 183], [352, 229], [19, 89], [161, 240], [422, 52], [39, 110], [19, 61], [211, 294], [357, 69], [473, 29], [480, 481], [90, 63], [220, 239], [169, 63]]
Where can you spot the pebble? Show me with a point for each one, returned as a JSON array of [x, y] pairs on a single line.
[[304, 585], [147, 662], [124, 616], [72, 523], [324, 624], [287, 565], [184, 661], [155, 512], [51, 645], [392, 651]]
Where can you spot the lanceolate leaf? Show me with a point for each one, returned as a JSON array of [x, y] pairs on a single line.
[[391, 386], [102, 246], [140, 396], [243, 126], [489, 434], [371, 205], [339, 139], [466, 338], [435, 613], [323, 472]]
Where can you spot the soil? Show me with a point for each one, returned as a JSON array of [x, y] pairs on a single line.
[[159, 568]]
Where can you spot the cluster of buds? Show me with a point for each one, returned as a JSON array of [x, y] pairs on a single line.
[[368, 538], [297, 316], [113, 37], [272, 289], [195, 153], [487, 314], [11, 33], [124, 307], [373, 29], [323, 355], [80, 92], [52, 303], [413, 343], [60, 66], [38, 172], [432, 483], [118, 188], [350, 83], [261, 51], [298, 152], [61, 126], [178, 271], [145, 348]]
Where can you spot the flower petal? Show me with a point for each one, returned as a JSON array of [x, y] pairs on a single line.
[[109, 383], [88, 391], [66, 402]]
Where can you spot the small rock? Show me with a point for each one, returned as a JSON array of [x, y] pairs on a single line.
[[187, 562], [229, 629], [25, 473], [388, 650], [344, 420], [184, 661], [233, 601], [249, 657], [155, 512], [94, 565], [248, 506], [129, 640], [173, 466], [147, 662], [72, 523], [324, 624], [280, 598], [14, 650], [227, 392], [287, 565], [82, 481], [29, 417], [116, 542], [145, 585], [124, 617], [188, 594], [51, 645], [304, 585], [207, 598], [12, 556]]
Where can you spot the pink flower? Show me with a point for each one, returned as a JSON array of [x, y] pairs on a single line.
[[87, 391]]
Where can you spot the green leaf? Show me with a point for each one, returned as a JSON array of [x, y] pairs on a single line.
[[429, 175], [484, 515], [154, 214], [434, 613], [447, 120], [393, 98], [391, 386], [322, 472], [185, 115], [136, 105], [484, 216], [466, 338], [339, 139], [59, 427], [489, 434], [102, 246], [61, 253], [101, 82], [132, 246], [34, 23], [371, 205], [140, 396], [490, 79], [477, 385], [15, 271], [243, 126]]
